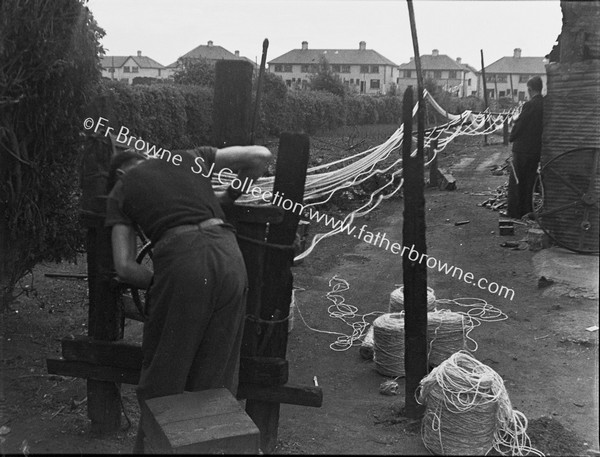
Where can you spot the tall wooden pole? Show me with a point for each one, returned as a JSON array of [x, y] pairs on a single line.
[[261, 72], [413, 234], [485, 95]]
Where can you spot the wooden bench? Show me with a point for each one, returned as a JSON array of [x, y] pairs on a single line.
[[204, 422]]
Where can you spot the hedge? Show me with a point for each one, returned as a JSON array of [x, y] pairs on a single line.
[[180, 116]]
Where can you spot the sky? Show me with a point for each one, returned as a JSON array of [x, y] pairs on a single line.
[[166, 29]]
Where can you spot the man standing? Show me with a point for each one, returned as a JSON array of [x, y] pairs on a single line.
[[526, 136], [197, 291]]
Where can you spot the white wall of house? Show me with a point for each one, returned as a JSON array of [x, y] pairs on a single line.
[[364, 79], [455, 81], [130, 70], [499, 85]]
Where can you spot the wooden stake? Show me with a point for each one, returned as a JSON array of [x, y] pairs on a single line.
[[485, 95], [413, 234], [433, 166], [261, 72]]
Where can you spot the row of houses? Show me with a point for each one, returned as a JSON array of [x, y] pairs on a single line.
[[363, 70]]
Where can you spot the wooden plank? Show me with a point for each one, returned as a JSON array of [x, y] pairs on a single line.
[[119, 354], [287, 393], [97, 373]]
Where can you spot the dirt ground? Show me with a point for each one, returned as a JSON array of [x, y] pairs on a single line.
[[548, 361]]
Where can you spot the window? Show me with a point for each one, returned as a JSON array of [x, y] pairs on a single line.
[[335, 68], [521, 96], [374, 68], [364, 69], [374, 84], [437, 74], [469, 82], [288, 83], [305, 68], [452, 74], [501, 78], [345, 69], [159, 71], [287, 68], [407, 74], [501, 93], [279, 68], [135, 69], [111, 70], [523, 78], [352, 81], [126, 70]]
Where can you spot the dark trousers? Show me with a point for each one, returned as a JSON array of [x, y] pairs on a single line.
[[520, 195], [197, 303]]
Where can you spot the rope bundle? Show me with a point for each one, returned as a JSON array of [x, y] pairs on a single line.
[[468, 411], [446, 335], [388, 346], [397, 300]]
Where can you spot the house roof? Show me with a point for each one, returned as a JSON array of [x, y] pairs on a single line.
[[119, 61], [333, 56], [522, 65], [210, 52], [470, 68], [435, 62]]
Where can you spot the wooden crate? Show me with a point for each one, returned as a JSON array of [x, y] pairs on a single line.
[[204, 422]]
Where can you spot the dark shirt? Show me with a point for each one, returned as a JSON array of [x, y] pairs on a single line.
[[526, 134], [157, 194]]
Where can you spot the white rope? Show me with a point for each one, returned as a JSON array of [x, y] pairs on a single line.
[[345, 312], [468, 411]]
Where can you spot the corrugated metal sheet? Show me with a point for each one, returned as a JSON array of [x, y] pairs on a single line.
[[571, 108], [572, 120], [566, 180]]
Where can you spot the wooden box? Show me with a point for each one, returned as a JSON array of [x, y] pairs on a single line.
[[204, 422]]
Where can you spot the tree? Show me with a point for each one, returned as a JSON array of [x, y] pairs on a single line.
[[326, 80], [198, 72], [49, 66]]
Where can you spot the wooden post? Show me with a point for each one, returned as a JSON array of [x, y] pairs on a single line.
[[505, 135], [485, 96], [105, 318], [413, 234], [290, 177], [232, 102], [433, 166], [261, 72]]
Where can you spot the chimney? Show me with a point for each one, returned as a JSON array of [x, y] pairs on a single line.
[[139, 53], [458, 60], [435, 53], [305, 45], [237, 53], [210, 43], [362, 45], [517, 54], [412, 58]]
